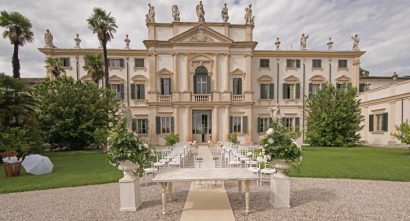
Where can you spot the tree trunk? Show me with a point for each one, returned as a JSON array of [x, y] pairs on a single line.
[[106, 72], [15, 61]]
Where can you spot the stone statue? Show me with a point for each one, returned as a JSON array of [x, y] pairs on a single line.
[[303, 41], [274, 111], [77, 41], [127, 42], [224, 13], [330, 44], [200, 36], [150, 17], [356, 41], [249, 19], [48, 39], [277, 43], [175, 13], [200, 12]]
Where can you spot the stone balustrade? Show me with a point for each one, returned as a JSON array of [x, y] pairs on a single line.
[[164, 98]]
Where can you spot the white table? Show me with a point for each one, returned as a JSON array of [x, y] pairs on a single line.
[[204, 174]]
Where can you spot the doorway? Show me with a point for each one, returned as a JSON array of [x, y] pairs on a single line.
[[201, 125]]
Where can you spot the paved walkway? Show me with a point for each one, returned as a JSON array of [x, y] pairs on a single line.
[[205, 202]]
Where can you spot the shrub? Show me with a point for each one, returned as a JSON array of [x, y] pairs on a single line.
[[403, 132], [233, 138], [18, 139], [333, 117], [172, 139]]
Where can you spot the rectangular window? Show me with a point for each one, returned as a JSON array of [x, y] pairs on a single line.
[[139, 62], [316, 63], [290, 91], [314, 88], [293, 63], [116, 62], [381, 122], [342, 63], [379, 119], [165, 86], [264, 63], [340, 85], [139, 126], [236, 124], [237, 86], [119, 89], [362, 87], [263, 124], [166, 125], [65, 62], [137, 91], [264, 91]]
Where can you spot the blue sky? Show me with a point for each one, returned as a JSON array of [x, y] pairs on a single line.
[[383, 26]]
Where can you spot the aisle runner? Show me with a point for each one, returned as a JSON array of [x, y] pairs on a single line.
[[207, 204]]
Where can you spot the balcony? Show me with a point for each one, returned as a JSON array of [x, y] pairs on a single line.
[[164, 98], [238, 98], [201, 98]]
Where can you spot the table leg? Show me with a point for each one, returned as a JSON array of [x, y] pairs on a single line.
[[164, 197], [169, 192], [239, 187], [247, 190]]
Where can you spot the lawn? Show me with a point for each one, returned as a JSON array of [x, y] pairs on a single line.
[[370, 163], [72, 168]]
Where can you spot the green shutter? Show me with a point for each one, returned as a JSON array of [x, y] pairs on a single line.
[[310, 88], [270, 122], [132, 91], [245, 124], [122, 90], [172, 125], [142, 89], [271, 91], [261, 91], [158, 124], [371, 122], [297, 90], [134, 124], [208, 84], [122, 62], [285, 91], [230, 124], [298, 63], [283, 120], [258, 124], [385, 122], [297, 123]]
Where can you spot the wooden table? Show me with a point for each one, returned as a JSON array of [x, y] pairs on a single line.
[[204, 174]]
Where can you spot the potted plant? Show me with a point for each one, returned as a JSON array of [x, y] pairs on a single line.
[[172, 139], [279, 148], [126, 151]]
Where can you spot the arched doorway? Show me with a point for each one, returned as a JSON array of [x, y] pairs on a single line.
[[202, 81]]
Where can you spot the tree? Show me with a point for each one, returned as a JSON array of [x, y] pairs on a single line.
[[18, 31], [333, 117], [103, 24], [74, 114], [364, 72], [54, 65], [403, 132], [94, 66]]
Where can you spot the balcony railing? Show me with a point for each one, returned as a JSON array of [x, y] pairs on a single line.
[[201, 97], [238, 98], [164, 98]]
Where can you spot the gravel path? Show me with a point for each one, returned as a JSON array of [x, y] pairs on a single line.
[[311, 199]]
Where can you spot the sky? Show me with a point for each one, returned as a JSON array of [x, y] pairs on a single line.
[[383, 26]]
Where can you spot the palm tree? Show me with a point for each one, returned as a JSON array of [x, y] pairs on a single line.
[[18, 30], [103, 24], [54, 65], [94, 66]]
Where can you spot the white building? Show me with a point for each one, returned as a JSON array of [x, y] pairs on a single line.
[[204, 80]]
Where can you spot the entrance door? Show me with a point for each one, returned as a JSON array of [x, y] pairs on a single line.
[[201, 125]]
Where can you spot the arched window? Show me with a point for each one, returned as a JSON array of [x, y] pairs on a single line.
[[202, 81]]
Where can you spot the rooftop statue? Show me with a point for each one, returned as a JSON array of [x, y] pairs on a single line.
[[200, 12], [330, 44], [48, 39], [356, 41], [303, 41], [150, 17], [277, 43], [249, 19], [175, 13], [224, 13], [77, 41], [127, 42]]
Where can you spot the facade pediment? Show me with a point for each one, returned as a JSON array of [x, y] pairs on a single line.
[[317, 78], [265, 78], [164, 71], [201, 34], [291, 78], [115, 78], [238, 72], [140, 78], [343, 78]]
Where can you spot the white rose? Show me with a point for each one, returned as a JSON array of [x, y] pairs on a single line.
[[270, 141], [269, 131], [249, 154], [110, 124], [269, 157], [146, 145]]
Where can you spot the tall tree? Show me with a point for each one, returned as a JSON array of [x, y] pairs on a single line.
[[333, 117], [54, 66], [18, 31], [103, 24], [94, 66]]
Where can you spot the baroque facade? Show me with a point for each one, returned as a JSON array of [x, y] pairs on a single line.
[[204, 80]]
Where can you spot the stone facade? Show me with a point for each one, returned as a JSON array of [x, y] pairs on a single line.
[[204, 80]]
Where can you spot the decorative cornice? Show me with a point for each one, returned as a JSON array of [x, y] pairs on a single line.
[[307, 53], [84, 51]]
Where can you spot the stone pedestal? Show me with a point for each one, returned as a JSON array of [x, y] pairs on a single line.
[[130, 196], [279, 191]]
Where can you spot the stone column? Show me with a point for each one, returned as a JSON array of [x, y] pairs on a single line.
[[226, 123], [215, 73], [215, 125], [356, 72], [248, 70], [188, 124], [186, 86], [226, 80], [176, 74], [391, 126], [152, 81], [176, 120]]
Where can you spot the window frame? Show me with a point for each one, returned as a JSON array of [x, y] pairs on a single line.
[[163, 90], [342, 61], [264, 63], [166, 125], [64, 60], [135, 62], [293, 63], [236, 124], [316, 63], [238, 87], [263, 124]]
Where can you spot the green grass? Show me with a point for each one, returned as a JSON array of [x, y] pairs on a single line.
[[370, 163], [73, 168]]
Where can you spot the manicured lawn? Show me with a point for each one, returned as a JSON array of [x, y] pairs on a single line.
[[73, 168], [370, 163]]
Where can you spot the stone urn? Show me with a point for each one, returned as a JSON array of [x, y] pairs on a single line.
[[280, 165], [128, 168], [130, 195]]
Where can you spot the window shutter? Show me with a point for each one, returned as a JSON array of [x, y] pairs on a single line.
[[371, 122], [122, 62], [270, 122], [285, 91], [271, 91], [161, 86], [245, 124], [134, 124], [208, 84], [109, 62], [158, 124], [283, 119], [261, 91], [337, 85], [385, 122], [132, 91], [298, 63], [122, 90], [297, 90], [142, 88], [297, 123], [195, 86], [258, 124], [310, 88], [172, 125], [230, 124], [239, 85]]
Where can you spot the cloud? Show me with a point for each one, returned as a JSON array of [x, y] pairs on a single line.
[[383, 26]]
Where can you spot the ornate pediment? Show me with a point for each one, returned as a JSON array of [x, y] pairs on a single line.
[[265, 78], [139, 78], [291, 78], [238, 72], [115, 79], [317, 78], [201, 34], [164, 71], [343, 78]]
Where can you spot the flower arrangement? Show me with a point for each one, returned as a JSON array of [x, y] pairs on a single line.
[[278, 144]]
